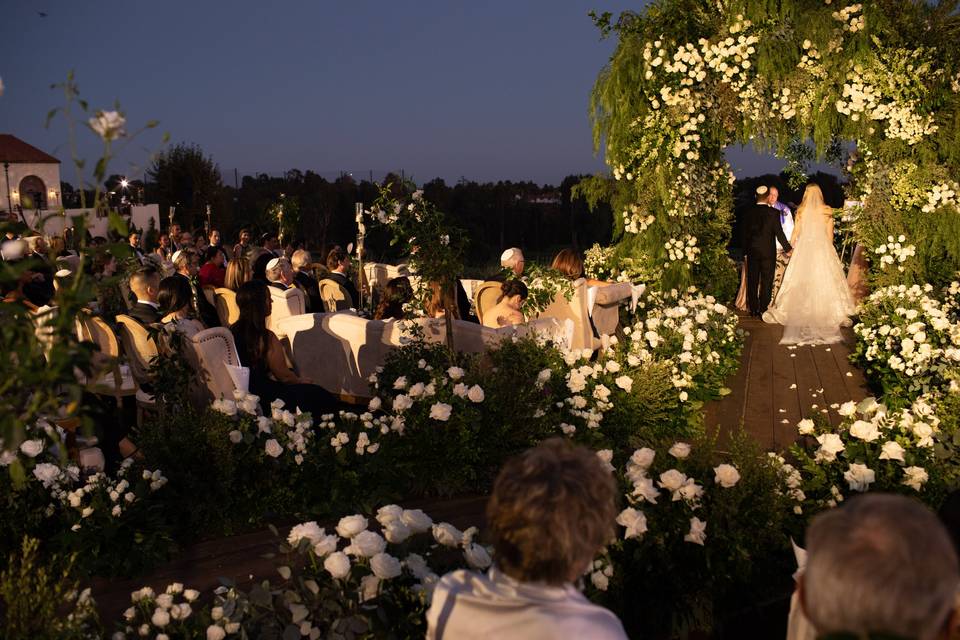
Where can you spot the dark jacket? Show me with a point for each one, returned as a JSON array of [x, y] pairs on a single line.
[[202, 308], [309, 285], [761, 229], [145, 314]]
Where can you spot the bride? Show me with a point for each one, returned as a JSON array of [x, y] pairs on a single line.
[[814, 300]]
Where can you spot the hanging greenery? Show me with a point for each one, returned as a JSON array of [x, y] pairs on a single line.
[[795, 77]]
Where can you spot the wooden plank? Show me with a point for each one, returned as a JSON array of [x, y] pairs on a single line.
[[831, 380], [786, 400], [808, 381], [758, 417]]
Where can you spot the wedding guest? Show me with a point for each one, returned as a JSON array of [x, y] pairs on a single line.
[[270, 244], [216, 241], [133, 240], [238, 272], [511, 260], [174, 233], [186, 240], [243, 247], [396, 294], [304, 280], [507, 310], [441, 300], [38, 289], [786, 223], [163, 250], [212, 273], [338, 265], [261, 351], [258, 265], [175, 301], [186, 264], [145, 286], [880, 565], [570, 264], [551, 510], [279, 274]]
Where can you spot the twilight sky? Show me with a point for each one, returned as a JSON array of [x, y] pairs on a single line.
[[487, 90]]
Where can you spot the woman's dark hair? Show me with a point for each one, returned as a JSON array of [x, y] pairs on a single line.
[[335, 257], [259, 271], [512, 288], [210, 252], [250, 330], [175, 294], [397, 292], [442, 299]]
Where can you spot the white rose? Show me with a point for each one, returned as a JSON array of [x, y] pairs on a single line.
[[599, 580], [417, 566], [160, 618], [859, 477], [337, 564], [235, 436], [830, 446], [31, 448], [672, 480], [634, 521], [165, 601], [805, 427], [400, 383], [388, 514], [726, 475], [625, 383], [396, 532], [543, 377], [228, 407], [191, 594], [612, 366], [385, 566], [475, 394], [108, 124], [606, 457], [866, 431], [680, 450], [350, 526], [417, 520], [915, 477], [215, 632], [643, 458], [325, 545], [476, 556], [698, 532], [447, 534], [307, 531], [416, 390], [273, 448], [366, 544], [374, 404], [847, 409], [47, 474], [455, 373], [369, 587], [440, 411], [892, 451], [402, 402], [264, 425]]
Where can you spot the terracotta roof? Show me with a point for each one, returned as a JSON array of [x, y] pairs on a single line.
[[15, 150]]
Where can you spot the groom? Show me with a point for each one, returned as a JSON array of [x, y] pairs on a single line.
[[762, 231]]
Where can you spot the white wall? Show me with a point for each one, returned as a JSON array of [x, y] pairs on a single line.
[[48, 172], [139, 216]]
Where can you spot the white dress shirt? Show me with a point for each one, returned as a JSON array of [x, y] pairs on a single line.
[[468, 605]]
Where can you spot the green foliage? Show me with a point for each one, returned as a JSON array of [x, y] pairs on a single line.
[[40, 598], [187, 179]]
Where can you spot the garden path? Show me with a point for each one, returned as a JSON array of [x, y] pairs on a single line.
[[241, 557], [777, 386]]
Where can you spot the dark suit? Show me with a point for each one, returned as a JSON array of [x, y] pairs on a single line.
[[145, 314], [311, 288], [761, 231], [202, 308]]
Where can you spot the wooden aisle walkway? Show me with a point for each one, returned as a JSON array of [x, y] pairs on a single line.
[[777, 386]]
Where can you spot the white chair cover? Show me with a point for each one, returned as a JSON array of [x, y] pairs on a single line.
[[575, 310], [214, 348], [285, 304], [605, 309]]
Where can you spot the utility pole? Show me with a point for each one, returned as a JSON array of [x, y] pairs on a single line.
[[6, 174]]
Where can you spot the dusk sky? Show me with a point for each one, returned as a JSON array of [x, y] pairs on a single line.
[[486, 90]]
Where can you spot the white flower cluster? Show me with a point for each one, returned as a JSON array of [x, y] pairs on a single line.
[[241, 402], [851, 17], [895, 252], [810, 60], [792, 480], [942, 195], [861, 97], [590, 397], [634, 220], [684, 248], [160, 615], [597, 262], [109, 125]]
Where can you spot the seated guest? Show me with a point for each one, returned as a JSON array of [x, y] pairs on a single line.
[[212, 273], [185, 262], [186, 240], [570, 264], [441, 300], [304, 280], [238, 272], [133, 240], [258, 267], [396, 294], [507, 311], [279, 274], [175, 300], [145, 286], [338, 265], [880, 566], [38, 289], [510, 260], [163, 250], [261, 351], [551, 510]]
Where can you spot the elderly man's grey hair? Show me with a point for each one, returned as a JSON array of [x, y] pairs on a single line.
[[276, 268], [300, 258], [511, 257], [880, 564]]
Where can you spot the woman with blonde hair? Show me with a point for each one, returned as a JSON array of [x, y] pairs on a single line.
[[238, 272], [814, 300]]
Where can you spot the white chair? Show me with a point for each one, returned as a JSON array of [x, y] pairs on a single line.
[[225, 300], [212, 349], [606, 306], [286, 303], [485, 297], [575, 310], [334, 296], [468, 337]]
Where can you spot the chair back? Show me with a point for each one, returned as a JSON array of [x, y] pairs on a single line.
[[575, 310], [468, 337], [225, 300], [138, 346], [606, 307], [286, 303], [334, 296], [209, 293], [94, 329], [486, 297], [214, 348]]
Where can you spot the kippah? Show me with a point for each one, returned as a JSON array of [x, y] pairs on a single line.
[[176, 254], [761, 190], [273, 264], [506, 255], [63, 273]]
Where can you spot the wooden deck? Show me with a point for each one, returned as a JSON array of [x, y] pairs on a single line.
[[777, 386]]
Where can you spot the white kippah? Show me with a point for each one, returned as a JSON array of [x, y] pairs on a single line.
[[63, 273], [762, 190], [273, 264], [176, 255], [506, 255]]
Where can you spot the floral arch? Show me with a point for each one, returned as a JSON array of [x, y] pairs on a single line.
[[796, 77]]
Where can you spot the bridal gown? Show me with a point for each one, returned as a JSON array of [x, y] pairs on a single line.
[[814, 300]]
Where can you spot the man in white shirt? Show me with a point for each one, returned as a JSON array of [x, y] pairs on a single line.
[[786, 221], [551, 510]]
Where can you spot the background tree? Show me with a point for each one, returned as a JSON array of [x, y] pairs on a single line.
[[186, 178]]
